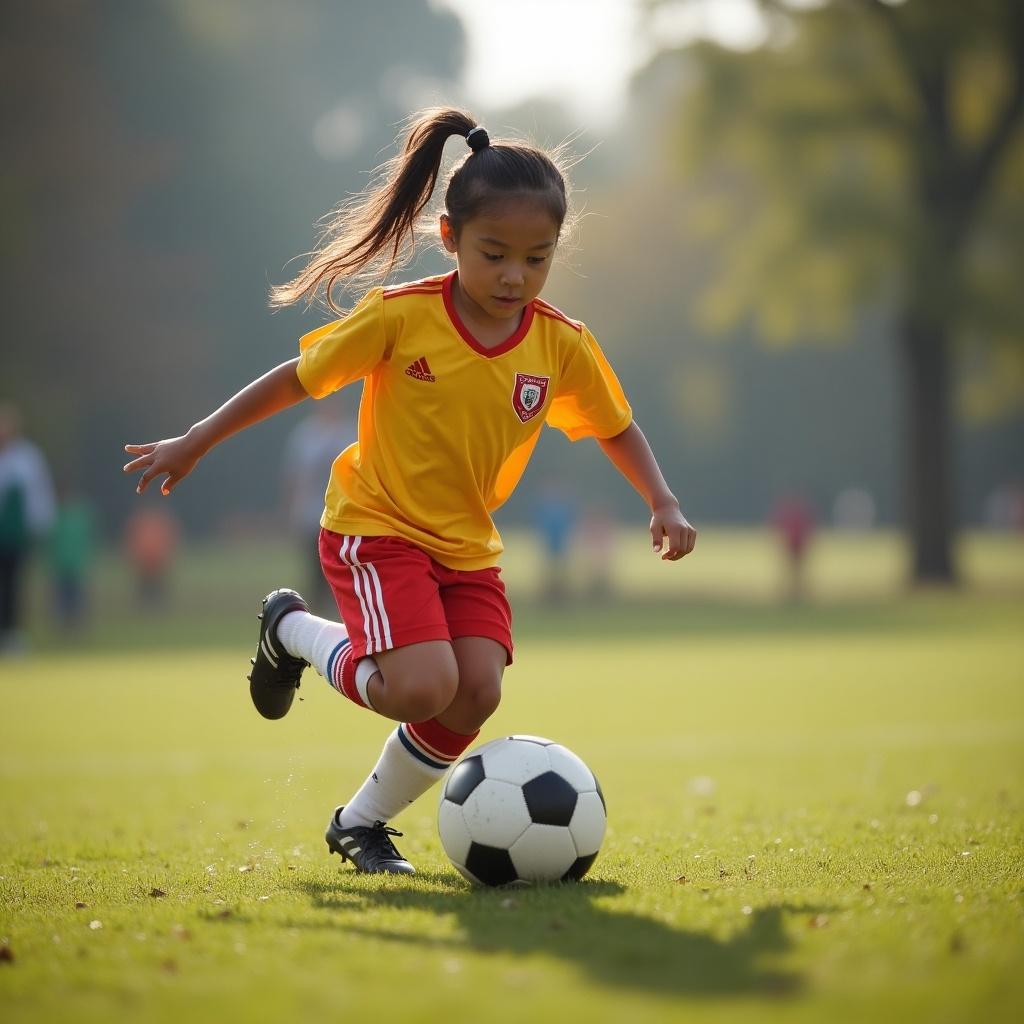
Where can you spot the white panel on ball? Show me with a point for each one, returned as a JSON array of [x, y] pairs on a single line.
[[543, 853], [571, 768], [588, 824], [495, 813], [455, 836], [514, 761]]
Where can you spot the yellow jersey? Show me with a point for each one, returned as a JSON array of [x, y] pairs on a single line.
[[447, 426]]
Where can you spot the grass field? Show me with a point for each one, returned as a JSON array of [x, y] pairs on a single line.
[[815, 814]]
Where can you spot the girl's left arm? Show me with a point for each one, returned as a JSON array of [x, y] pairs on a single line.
[[631, 455]]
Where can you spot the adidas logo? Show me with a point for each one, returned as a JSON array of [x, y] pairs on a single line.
[[420, 370]]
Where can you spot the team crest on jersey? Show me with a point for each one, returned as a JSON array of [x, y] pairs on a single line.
[[528, 395]]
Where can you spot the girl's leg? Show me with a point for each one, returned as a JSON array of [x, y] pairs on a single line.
[[419, 752], [405, 684], [397, 603], [413, 683], [481, 663]]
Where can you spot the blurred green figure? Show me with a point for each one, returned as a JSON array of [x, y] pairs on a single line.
[[72, 550]]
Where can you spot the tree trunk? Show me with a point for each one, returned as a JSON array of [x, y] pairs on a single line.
[[925, 350]]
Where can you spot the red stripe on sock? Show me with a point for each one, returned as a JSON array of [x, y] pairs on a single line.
[[439, 740], [345, 677]]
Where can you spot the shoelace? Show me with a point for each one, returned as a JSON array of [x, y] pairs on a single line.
[[290, 672], [379, 842]]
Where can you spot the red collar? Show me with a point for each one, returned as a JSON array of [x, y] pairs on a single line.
[[507, 345]]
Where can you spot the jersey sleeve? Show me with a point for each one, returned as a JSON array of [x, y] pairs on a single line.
[[344, 351], [589, 401]]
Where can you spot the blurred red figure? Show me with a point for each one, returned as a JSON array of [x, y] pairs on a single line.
[[793, 519], [150, 542]]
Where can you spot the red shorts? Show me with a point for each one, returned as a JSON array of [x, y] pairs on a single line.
[[391, 594]]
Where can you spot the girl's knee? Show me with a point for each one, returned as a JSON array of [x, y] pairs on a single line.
[[426, 698], [481, 663], [480, 694], [421, 688]]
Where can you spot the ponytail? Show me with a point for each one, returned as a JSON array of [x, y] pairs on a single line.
[[375, 232]]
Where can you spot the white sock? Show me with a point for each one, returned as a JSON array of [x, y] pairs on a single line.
[[396, 781], [315, 639]]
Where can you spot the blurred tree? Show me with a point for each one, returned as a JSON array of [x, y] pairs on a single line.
[[869, 153]]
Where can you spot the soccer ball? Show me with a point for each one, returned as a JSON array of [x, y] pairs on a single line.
[[521, 809]]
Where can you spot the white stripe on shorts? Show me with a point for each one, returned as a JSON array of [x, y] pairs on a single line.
[[384, 622], [343, 557], [365, 592], [368, 594]]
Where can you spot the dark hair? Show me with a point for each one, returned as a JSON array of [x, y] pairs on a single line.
[[376, 231]]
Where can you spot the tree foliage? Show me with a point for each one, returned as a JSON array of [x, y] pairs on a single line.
[[870, 154], [813, 148]]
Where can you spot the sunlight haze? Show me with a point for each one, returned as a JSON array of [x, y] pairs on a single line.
[[583, 52]]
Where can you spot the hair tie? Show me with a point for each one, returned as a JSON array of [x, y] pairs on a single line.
[[478, 139]]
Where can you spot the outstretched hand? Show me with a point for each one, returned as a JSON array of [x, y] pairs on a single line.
[[176, 457], [671, 534]]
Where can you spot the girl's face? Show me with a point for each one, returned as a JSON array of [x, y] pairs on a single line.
[[504, 256]]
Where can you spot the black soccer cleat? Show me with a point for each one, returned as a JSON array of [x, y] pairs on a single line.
[[275, 673], [369, 847]]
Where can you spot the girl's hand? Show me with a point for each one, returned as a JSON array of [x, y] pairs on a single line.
[[176, 457], [669, 525], [279, 388]]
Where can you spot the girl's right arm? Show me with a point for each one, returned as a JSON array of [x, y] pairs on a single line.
[[177, 456]]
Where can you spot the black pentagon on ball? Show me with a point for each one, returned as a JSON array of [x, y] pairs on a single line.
[[550, 799], [579, 868], [490, 865], [600, 794], [465, 777]]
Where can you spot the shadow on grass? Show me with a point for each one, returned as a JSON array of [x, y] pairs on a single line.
[[575, 923]]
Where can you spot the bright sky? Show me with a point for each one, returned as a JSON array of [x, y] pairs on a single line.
[[583, 51]]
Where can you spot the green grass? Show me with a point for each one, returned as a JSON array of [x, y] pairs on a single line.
[[763, 860]]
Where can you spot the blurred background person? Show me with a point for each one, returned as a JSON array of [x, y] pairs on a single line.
[[597, 544], [150, 542], [1004, 509], [854, 509], [555, 514], [310, 451], [794, 522], [72, 551], [26, 514]]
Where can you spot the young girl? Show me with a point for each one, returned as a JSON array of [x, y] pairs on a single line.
[[459, 374]]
